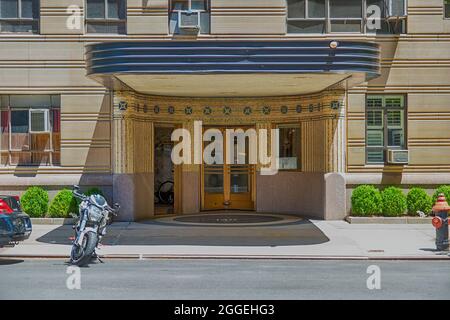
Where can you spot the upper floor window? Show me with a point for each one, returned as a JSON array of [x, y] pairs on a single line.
[[19, 16], [30, 130], [189, 16], [447, 8], [106, 16], [385, 126], [337, 16]]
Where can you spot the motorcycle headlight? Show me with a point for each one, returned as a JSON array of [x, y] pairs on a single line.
[[95, 214]]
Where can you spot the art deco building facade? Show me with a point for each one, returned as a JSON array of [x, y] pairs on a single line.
[[91, 91]]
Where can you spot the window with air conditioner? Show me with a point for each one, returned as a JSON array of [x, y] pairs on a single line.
[[189, 16], [30, 127], [106, 16], [349, 16], [385, 126], [19, 16]]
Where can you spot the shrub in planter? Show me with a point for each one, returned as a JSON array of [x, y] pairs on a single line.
[[35, 202], [366, 200], [394, 202], [418, 200], [63, 204], [442, 189]]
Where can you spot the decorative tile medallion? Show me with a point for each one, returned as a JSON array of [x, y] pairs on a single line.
[[227, 110], [123, 105], [247, 111], [335, 105], [207, 111], [188, 110], [266, 110]]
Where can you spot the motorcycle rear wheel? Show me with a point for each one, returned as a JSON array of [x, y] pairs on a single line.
[[87, 250]]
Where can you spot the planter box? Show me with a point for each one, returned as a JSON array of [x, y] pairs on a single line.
[[53, 221], [388, 220]]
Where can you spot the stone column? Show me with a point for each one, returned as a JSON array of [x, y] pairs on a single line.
[[133, 178]]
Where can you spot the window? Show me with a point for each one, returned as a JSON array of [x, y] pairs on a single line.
[[196, 6], [385, 125], [30, 130], [106, 16], [289, 147], [339, 16], [19, 16], [447, 9]]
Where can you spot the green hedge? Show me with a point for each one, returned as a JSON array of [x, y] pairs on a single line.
[[366, 200], [418, 200], [442, 189], [63, 205], [394, 202], [35, 202]]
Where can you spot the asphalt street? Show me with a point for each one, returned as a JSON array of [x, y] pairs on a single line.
[[223, 279]]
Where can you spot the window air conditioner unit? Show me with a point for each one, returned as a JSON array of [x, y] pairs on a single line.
[[189, 20], [396, 9], [39, 120], [398, 156]]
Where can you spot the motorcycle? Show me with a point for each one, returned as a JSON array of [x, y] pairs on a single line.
[[94, 215]]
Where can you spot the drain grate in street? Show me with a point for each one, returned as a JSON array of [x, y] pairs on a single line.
[[229, 219]]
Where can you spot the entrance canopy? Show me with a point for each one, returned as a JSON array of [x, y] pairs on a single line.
[[231, 68]]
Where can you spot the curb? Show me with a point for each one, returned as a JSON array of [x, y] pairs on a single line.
[[236, 257], [52, 221], [388, 220]]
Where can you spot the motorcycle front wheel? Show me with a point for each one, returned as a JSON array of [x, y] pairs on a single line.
[[81, 255]]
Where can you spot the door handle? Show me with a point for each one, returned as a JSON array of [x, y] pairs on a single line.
[[226, 203]]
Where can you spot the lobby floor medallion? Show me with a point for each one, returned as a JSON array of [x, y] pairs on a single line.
[[228, 219]]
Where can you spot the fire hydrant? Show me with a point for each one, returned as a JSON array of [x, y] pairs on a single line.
[[440, 222]]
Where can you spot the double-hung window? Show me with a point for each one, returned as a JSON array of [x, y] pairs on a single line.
[[106, 16], [385, 126], [19, 16], [199, 8], [30, 130]]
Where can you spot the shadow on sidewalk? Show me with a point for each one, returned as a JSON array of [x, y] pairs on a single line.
[[154, 233]]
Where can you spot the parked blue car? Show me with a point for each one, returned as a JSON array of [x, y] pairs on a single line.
[[15, 225]]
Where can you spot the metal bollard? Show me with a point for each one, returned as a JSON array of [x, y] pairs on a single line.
[[440, 222]]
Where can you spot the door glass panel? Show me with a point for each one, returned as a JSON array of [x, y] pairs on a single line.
[[213, 182], [239, 183]]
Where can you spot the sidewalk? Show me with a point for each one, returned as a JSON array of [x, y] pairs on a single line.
[[308, 240]]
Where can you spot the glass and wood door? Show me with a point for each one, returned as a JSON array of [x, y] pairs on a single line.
[[228, 186]]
